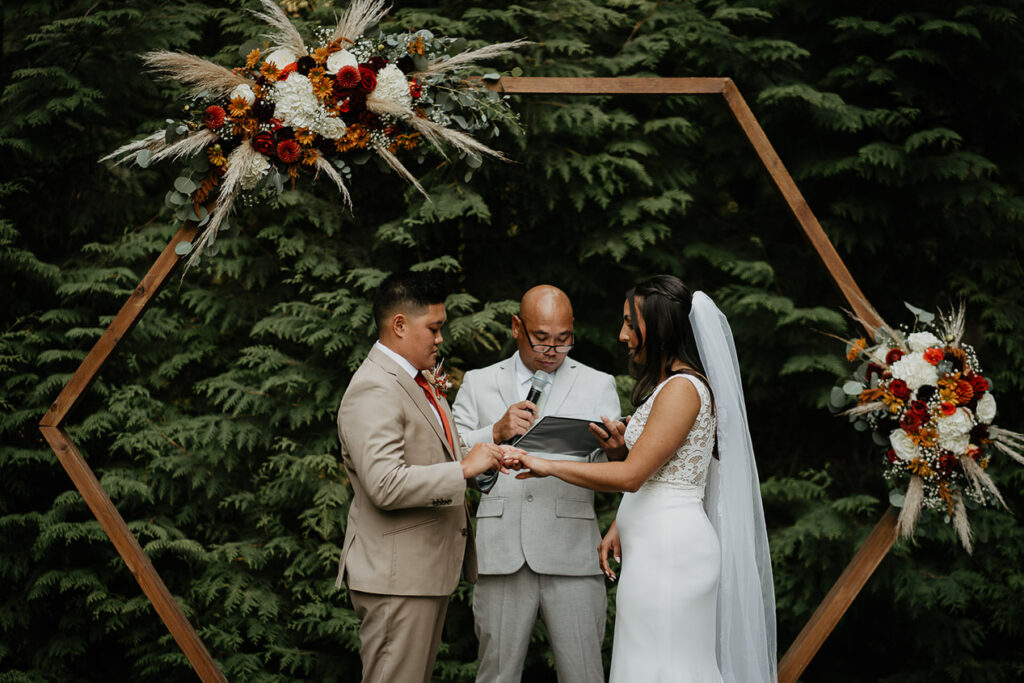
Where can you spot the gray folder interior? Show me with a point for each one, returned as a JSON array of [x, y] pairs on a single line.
[[553, 434]]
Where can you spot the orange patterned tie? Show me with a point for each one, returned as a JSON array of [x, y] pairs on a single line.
[[422, 381]]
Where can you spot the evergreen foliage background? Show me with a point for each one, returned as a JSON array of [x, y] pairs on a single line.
[[213, 426]]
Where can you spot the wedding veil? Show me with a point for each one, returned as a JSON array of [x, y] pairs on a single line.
[[746, 594]]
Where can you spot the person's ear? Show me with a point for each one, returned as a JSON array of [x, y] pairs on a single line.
[[516, 327], [399, 325]]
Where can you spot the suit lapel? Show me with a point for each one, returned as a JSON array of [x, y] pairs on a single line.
[[561, 387], [507, 388], [415, 392]]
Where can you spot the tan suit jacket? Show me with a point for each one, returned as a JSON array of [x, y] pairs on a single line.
[[408, 530]]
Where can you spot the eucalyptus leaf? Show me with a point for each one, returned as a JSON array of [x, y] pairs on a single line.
[[360, 158], [517, 71], [182, 248], [853, 388], [879, 439], [468, 176], [459, 120], [897, 498], [921, 314], [492, 76], [860, 425], [143, 157], [837, 398], [425, 34], [199, 163], [174, 199], [184, 185], [474, 161], [248, 46], [457, 46], [420, 63]]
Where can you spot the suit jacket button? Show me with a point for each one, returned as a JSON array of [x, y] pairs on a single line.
[[464, 532], [529, 498]]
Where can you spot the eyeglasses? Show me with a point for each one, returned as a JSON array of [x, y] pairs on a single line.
[[544, 348]]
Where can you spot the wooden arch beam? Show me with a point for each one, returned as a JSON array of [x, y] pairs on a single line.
[[824, 619]]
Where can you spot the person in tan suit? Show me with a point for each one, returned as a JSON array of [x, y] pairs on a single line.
[[408, 534]]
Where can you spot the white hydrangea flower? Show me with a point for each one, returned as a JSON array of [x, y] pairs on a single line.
[[392, 86], [915, 371], [879, 353], [243, 91], [332, 127], [954, 431], [986, 408], [903, 445], [919, 341], [298, 107], [339, 60], [258, 168], [281, 57]]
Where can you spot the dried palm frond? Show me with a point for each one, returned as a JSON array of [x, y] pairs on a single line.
[[325, 166], [979, 477], [472, 56], [238, 162], [962, 526], [894, 334], [129, 151], [201, 75], [911, 511], [357, 17], [1008, 442], [865, 408], [401, 170], [951, 325], [190, 145], [283, 33]]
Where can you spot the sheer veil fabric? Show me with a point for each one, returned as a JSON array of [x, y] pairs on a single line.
[[746, 594]]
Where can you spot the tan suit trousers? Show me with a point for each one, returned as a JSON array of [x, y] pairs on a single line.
[[399, 635]]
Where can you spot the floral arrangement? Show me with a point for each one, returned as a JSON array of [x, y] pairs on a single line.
[[923, 394], [439, 379], [293, 110]]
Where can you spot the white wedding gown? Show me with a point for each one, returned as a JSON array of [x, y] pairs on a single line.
[[665, 608]]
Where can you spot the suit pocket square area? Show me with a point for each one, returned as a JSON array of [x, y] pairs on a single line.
[[569, 507], [490, 507]]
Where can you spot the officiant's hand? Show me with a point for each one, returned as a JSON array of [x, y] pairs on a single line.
[[610, 543], [611, 437], [517, 420]]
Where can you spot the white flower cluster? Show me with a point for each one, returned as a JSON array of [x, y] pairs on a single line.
[[392, 86], [915, 370], [297, 106], [257, 168], [339, 60]]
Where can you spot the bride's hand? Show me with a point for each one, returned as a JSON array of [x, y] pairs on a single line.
[[538, 467], [610, 543]]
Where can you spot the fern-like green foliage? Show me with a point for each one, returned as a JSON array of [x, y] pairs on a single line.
[[212, 427]]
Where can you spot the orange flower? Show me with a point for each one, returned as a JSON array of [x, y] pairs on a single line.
[[964, 392], [238, 107], [305, 137], [216, 155], [310, 157], [416, 46], [356, 137], [869, 395], [920, 467], [855, 348], [934, 356], [253, 59], [269, 71]]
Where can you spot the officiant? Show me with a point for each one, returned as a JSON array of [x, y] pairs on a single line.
[[537, 538]]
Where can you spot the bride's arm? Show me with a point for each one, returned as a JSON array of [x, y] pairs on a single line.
[[672, 415]]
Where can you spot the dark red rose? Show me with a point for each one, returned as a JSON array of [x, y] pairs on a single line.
[[873, 369], [284, 133], [288, 151], [956, 359], [947, 461], [979, 434], [415, 88], [911, 422], [891, 454], [926, 392], [263, 143], [920, 408], [214, 117], [405, 64], [899, 389], [343, 105], [347, 78], [263, 110], [978, 383], [367, 79], [369, 119], [376, 63], [893, 356]]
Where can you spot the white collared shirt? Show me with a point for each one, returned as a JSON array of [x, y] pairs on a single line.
[[523, 377], [409, 368]]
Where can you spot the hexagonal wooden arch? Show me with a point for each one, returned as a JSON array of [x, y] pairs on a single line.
[[821, 623]]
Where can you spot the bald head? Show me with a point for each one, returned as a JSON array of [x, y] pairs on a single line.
[[545, 318]]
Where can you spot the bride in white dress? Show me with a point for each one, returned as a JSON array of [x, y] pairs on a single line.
[[695, 600]]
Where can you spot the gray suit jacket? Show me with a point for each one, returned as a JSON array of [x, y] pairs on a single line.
[[546, 523], [408, 529]]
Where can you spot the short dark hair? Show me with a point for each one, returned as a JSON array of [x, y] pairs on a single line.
[[407, 292]]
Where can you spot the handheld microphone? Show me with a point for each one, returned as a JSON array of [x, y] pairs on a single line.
[[539, 380]]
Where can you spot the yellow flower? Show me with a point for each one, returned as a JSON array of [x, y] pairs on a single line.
[[356, 137], [253, 59], [238, 107], [216, 155], [920, 467]]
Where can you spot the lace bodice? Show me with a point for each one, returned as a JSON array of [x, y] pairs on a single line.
[[688, 466]]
